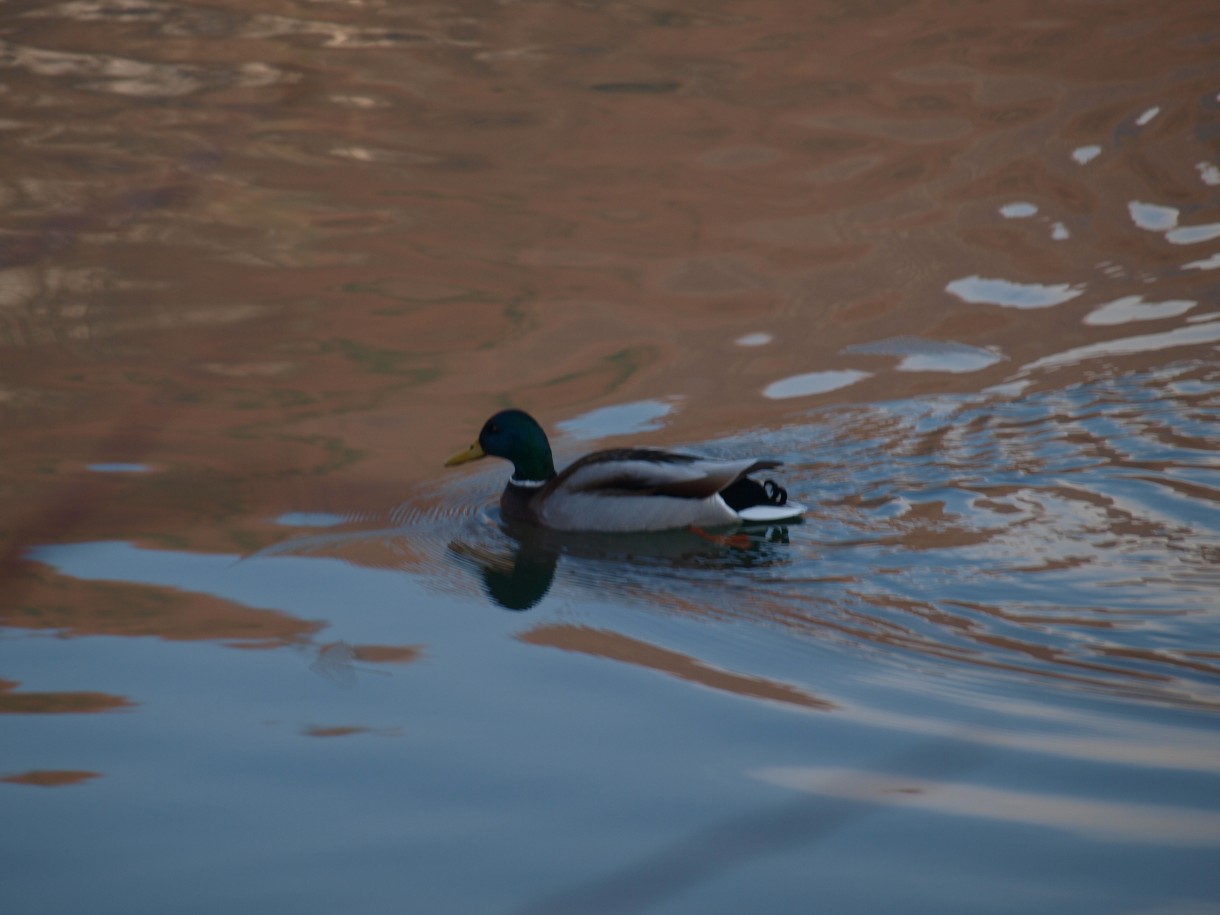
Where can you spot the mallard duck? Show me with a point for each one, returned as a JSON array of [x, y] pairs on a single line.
[[624, 489]]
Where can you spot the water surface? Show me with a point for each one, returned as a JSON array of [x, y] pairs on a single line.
[[263, 266]]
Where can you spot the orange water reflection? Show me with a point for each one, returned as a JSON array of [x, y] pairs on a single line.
[[343, 235], [617, 647], [284, 256], [19, 702], [50, 778]]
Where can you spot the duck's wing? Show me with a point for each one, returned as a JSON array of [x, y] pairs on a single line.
[[645, 471]]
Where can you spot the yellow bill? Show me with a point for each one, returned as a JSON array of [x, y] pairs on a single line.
[[473, 453]]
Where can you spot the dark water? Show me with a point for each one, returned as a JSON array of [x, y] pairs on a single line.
[[263, 266]]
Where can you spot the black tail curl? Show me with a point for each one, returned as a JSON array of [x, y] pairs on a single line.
[[746, 493]]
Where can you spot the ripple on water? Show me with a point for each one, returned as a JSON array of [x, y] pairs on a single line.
[[980, 291], [1018, 210], [119, 467], [1188, 335], [920, 355], [812, 383], [1134, 308], [621, 419], [1153, 217], [1083, 155], [1071, 536]]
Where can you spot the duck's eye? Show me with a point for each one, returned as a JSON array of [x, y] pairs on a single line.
[[493, 428]]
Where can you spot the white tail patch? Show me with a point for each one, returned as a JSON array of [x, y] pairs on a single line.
[[785, 512]]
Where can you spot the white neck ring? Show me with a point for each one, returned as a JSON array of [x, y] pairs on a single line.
[[527, 484]]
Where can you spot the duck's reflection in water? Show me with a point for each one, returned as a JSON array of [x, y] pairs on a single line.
[[516, 563], [516, 577], [518, 569]]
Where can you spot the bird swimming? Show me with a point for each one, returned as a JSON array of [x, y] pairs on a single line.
[[624, 489]]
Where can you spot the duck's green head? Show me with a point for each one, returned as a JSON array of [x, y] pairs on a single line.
[[515, 436]]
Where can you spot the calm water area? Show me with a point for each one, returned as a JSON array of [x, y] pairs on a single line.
[[264, 265]]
